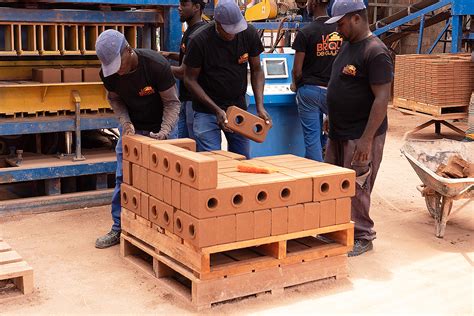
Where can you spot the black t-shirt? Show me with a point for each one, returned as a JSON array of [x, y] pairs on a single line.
[[140, 89], [184, 94], [223, 64], [350, 97], [320, 42]]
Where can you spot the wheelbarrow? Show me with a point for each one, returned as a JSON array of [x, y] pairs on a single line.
[[425, 156]]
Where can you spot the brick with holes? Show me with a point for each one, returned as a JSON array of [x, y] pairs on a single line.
[[162, 157], [130, 198], [247, 124], [161, 214], [199, 232], [195, 170], [183, 143], [333, 183], [132, 148]]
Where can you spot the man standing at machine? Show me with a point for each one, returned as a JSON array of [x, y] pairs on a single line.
[[143, 94], [316, 46], [358, 95], [190, 11], [215, 73]]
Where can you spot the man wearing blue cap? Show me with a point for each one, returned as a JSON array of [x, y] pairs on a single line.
[[142, 92], [216, 75], [358, 95]]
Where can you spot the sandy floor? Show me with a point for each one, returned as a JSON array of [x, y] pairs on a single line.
[[409, 271]]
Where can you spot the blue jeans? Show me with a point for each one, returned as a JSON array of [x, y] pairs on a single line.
[[185, 122], [116, 208], [311, 102], [208, 135]]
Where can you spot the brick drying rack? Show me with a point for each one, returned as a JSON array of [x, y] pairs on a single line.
[[213, 234]]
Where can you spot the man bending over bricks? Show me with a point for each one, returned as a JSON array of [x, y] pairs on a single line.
[[142, 92], [215, 73], [358, 95]]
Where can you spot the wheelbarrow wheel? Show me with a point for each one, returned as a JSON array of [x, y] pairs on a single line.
[[433, 202]]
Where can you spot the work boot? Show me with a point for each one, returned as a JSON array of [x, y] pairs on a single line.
[[112, 238], [360, 246]]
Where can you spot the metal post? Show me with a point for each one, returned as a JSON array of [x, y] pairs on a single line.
[[76, 98], [456, 33], [420, 35], [68, 136], [172, 30], [438, 38]]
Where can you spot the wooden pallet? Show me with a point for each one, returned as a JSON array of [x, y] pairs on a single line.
[[244, 256], [201, 294], [12, 267], [429, 109]]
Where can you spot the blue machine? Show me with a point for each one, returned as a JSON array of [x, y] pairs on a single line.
[[286, 135]]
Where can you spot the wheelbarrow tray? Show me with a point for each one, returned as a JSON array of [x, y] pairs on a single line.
[[426, 155]]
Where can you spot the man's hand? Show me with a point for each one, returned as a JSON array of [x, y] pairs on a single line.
[[264, 115], [293, 87], [160, 135], [362, 151], [128, 128], [222, 120], [326, 125]]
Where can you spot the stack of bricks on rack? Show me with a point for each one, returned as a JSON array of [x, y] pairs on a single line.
[[206, 201]]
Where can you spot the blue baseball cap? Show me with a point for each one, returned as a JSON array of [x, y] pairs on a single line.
[[339, 8], [228, 14], [109, 46]]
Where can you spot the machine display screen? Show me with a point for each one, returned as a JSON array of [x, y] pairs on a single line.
[[275, 68]]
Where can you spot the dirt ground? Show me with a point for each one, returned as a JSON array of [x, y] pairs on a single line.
[[409, 270]]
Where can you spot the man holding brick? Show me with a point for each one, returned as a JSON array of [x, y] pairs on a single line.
[[316, 46], [142, 92], [215, 73], [358, 95]]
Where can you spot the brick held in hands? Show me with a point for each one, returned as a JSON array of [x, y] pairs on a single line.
[[312, 213], [200, 233], [161, 214], [91, 74], [279, 221], [167, 188], [245, 226], [333, 184], [127, 172], [47, 75], [327, 215], [247, 124], [130, 198], [71, 75], [155, 184], [343, 210], [176, 194], [263, 223], [196, 170], [144, 205], [295, 218]]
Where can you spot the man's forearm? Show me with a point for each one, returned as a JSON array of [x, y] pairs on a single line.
[[171, 108], [376, 117], [257, 80], [200, 95], [119, 107], [178, 72]]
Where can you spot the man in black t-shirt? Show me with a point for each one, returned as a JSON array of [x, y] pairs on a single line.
[[142, 92], [215, 73], [190, 11], [316, 46], [358, 95]]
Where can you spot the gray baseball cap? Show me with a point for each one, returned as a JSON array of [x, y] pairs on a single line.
[[109, 46], [228, 14], [339, 8]]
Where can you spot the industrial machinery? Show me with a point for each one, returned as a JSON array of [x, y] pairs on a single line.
[[52, 102]]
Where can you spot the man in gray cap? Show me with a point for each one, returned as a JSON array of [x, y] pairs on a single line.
[[357, 99], [142, 92], [215, 73]]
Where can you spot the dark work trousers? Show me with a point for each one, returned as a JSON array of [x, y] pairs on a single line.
[[340, 153]]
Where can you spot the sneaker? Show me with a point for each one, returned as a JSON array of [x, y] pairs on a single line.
[[112, 238], [360, 246]]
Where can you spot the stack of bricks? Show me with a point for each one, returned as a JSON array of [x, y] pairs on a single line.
[[441, 80], [202, 198]]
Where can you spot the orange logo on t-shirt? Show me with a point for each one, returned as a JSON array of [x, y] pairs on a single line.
[[244, 58], [330, 45], [349, 70], [148, 90]]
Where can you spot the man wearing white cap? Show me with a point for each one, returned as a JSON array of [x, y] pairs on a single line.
[[142, 92], [357, 99], [216, 75]]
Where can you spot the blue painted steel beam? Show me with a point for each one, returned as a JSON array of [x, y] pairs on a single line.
[[79, 16], [420, 34], [445, 28], [10, 175], [462, 7], [412, 16], [57, 124], [172, 30], [456, 35], [118, 2]]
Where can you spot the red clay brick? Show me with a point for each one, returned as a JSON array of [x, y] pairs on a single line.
[[130, 198], [295, 218], [91, 75], [226, 230], [185, 198], [312, 213], [279, 221], [245, 226], [194, 169], [71, 75], [229, 154], [200, 233], [143, 183], [163, 214], [328, 213], [132, 148], [155, 185], [175, 194], [167, 190], [127, 172], [343, 210], [47, 75], [136, 175], [333, 184], [144, 205], [263, 223], [184, 143], [162, 158], [247, 124]]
